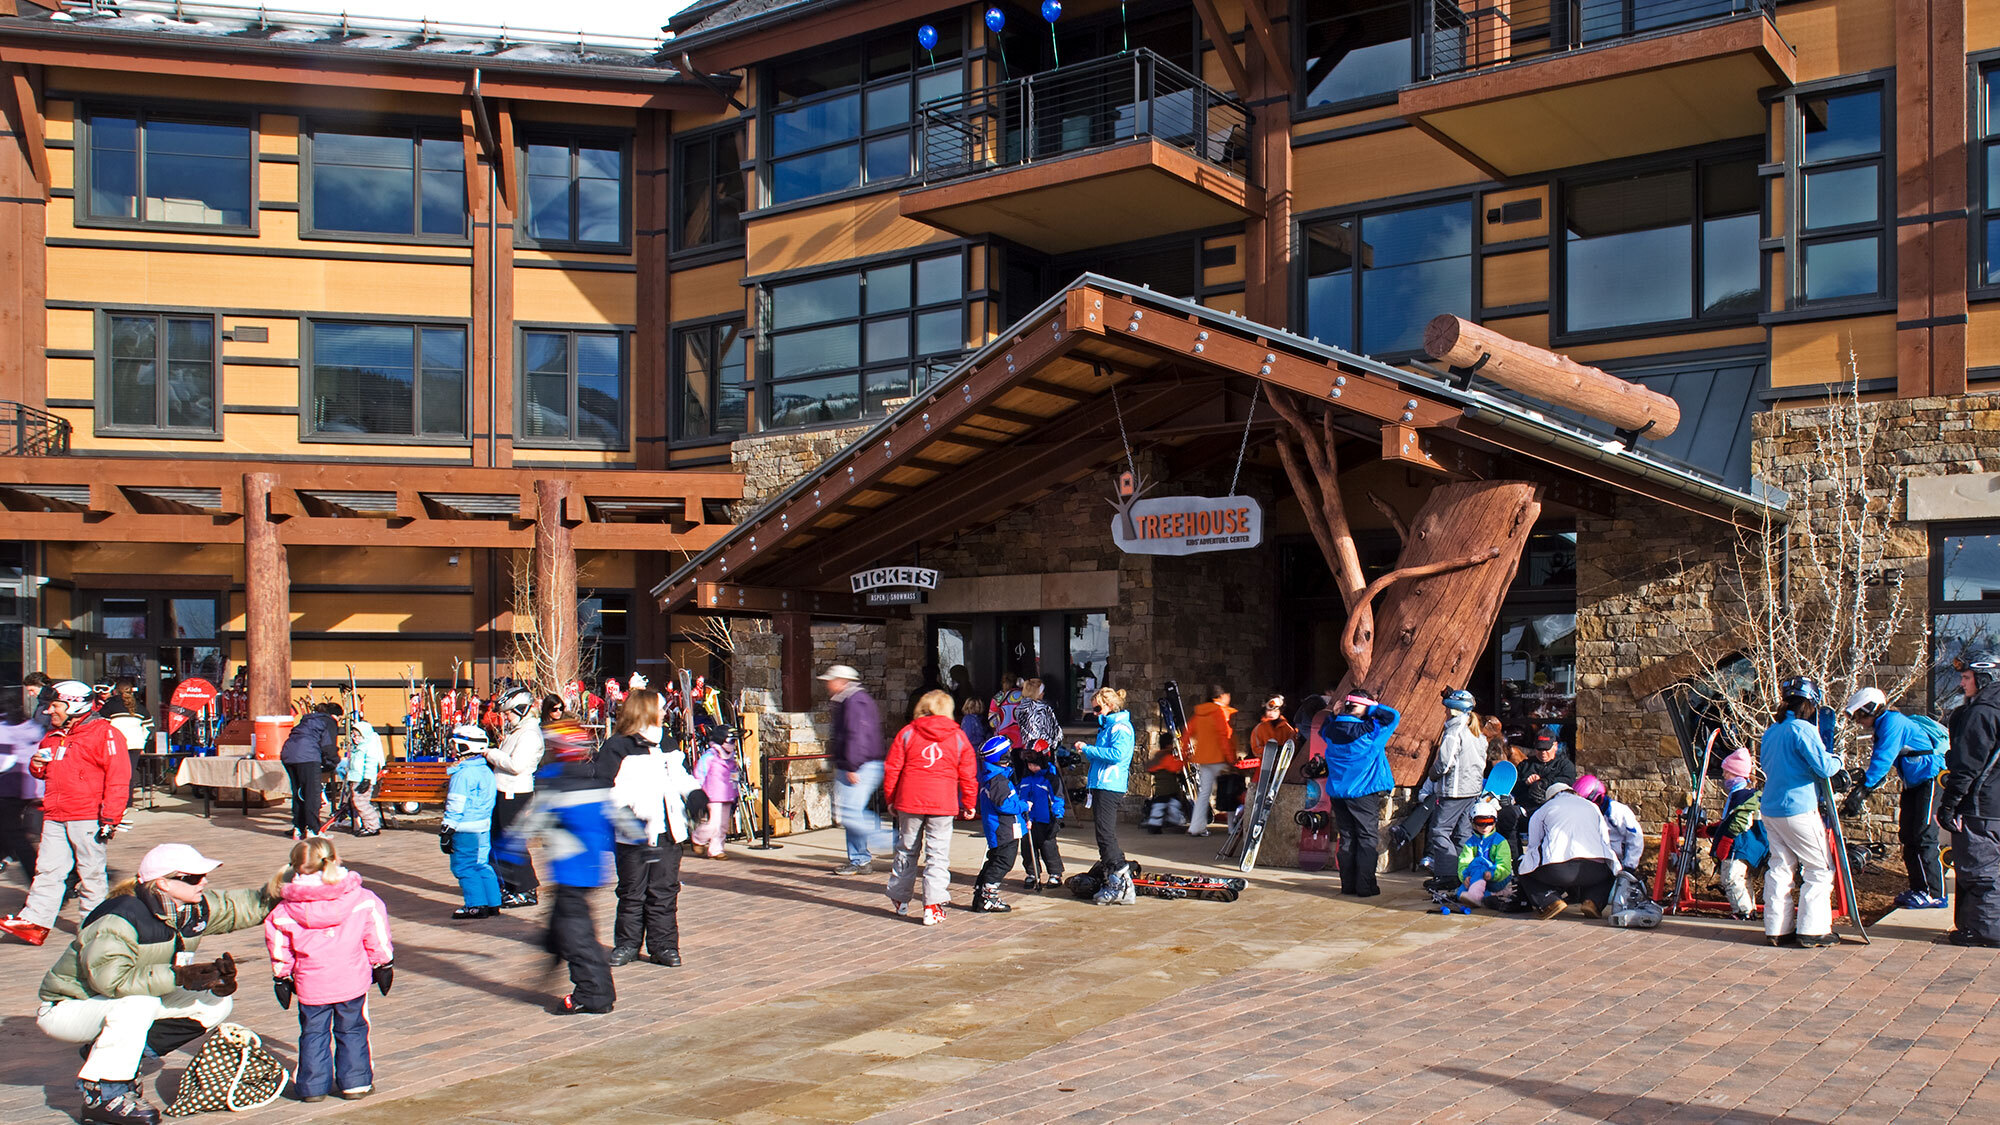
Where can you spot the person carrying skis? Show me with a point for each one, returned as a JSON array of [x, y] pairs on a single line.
[[1915, 746], [1001, 807], [1110, 759], [1795, 758], [1970, 805], [515, 762], [1041, 786], [1213, 749], [1458, 773], [88, 778], [1486, 861], [571, 814], [1739, 843], [1357, 762]]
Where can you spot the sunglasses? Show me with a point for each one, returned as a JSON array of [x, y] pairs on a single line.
[[189, 880]]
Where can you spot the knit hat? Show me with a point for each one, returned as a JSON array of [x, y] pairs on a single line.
[[1737, 764]]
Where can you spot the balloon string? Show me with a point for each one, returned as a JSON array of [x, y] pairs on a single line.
[[1053, 48], [932, 54], [1006, 72]]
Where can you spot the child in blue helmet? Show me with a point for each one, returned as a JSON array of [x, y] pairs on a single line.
[[1000, 809]]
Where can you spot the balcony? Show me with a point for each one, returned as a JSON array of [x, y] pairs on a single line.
[[1524, 86], [1106, 151], [28, 432]]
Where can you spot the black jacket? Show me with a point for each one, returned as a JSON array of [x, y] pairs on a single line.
[[613, 753], [315, 738], [1975, 738], [1560, 771]]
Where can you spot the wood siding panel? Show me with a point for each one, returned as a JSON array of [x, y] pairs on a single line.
[[1749, 336], [1982, 336], [124, 84], [1836, 37], [282, 338], [378, 613], [277, 230], [72, 378], [1377, 166], [833, 233], [566, 297], [1982, 26], [259, 386], [132, 277], [72, 329], [714, 290], [1515, 279], [1815, 353], [1527, 329]]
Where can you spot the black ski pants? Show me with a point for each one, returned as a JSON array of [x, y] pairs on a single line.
[[649, 892], [1042, 856], [1587, 880], [20, 832], [1359, 822], [999, 861], [515, 878], [1104, 821], [307, 788], [573, 938], [1917, 827], [1975, 856]]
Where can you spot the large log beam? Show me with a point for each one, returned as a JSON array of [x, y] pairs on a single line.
[[554, 594], [1550, 377], [267, 601]]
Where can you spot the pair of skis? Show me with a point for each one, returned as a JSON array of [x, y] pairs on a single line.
[[1168, 886], [1246, 835]]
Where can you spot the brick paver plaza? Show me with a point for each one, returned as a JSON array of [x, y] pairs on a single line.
[[804, 1000]]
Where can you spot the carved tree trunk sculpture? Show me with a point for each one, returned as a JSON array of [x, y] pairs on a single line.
[[1438, 605]]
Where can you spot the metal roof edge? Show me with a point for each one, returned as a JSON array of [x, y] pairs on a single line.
[[748, 25]]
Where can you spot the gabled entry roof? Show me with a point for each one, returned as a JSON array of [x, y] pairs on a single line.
[[1059, 395]]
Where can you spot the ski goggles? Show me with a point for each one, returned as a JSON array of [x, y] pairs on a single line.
[[1961, 664]]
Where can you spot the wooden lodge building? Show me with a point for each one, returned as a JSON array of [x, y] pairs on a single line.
[[822, 286]]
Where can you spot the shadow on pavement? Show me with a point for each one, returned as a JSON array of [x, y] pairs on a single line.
[[1638, 1110]]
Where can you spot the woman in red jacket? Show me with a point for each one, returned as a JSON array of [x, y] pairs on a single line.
[[929, 776]]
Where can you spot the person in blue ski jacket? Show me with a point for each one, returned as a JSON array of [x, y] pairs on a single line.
[[1357, 778], [1001, 808], [466, 835], [571, 815], [1914, 747], [1041, 786], [1110, 759], [1795, 759]]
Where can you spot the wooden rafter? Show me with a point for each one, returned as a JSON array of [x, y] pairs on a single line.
[[34, 134], [1266, 39], [1225, 46]]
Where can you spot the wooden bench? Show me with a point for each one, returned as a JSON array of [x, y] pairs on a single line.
[[422, 783]]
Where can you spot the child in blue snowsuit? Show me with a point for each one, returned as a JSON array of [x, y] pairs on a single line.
[[1041, 785], [1000, 809], [1486, 861], [468, 825], [1357, 762]]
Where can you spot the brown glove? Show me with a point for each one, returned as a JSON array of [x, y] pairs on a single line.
[[225, 968], [199, 976]]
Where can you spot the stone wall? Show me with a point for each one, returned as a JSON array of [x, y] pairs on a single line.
[[771, 462]]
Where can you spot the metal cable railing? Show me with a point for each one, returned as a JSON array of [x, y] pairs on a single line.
[[1475, 34], [1078, 108], [28, 432]]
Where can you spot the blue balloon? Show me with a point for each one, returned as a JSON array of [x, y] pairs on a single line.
[[996, 20], [1052, 10], [927, 35]]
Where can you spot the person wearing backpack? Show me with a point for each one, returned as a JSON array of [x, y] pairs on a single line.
[[1914, 745]]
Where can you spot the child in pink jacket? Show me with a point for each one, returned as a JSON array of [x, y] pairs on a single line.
[[329, 940], [717, 773]]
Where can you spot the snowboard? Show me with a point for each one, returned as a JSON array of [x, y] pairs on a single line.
[[1831, 811], [1277, 755], [1501, 779], [1315, 819], [1208, 887]]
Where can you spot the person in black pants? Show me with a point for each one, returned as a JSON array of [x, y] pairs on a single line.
[[572, 805], [310, 750], [1357, 732], [1110, 760], [651, 787]]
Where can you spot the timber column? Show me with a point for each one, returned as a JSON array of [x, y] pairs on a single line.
[[267, 601], [795, 648], [555, 584]]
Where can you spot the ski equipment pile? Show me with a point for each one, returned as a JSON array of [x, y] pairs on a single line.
[[1270, 775], [1315, 819]]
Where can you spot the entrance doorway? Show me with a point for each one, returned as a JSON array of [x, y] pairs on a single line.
[[157, 639], [1068, 651]]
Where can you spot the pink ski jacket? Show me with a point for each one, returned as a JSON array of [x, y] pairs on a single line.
[[328, 938]]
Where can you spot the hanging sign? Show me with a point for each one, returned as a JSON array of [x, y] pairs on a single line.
[[895, 597], [909, 577], [1189, 525]]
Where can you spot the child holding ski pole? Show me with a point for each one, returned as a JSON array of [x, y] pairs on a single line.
[[329, 940], [1041, 785], [1000, 809], [359, 772]]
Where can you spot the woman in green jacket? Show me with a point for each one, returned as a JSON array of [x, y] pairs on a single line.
[[131, 985]]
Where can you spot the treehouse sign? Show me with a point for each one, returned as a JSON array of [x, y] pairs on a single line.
[[1188, 525]]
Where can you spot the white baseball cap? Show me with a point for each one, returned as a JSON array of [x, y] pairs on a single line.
[[841, 672], [171, 859]]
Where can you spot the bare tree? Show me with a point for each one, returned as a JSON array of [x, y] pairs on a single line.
[[537, 661]]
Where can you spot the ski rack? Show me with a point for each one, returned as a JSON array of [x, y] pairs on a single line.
[[1688, 903]]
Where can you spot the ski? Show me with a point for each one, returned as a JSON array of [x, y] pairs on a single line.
[[1691, 829], [1186, 886], [1277, 756], [1831, 811]]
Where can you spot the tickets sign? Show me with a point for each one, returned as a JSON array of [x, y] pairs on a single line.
[[905, 577], [1189, 525]]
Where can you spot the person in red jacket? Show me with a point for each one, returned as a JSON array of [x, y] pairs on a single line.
[[89, 781], [929, 777]]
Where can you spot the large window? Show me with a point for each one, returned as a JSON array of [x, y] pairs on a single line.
[[386, 381], [572, 388], [1965, 602], [709, 197], [405, 183], [1658, 247], [1355, 52], [575, 194], [1373, 281], [709, 377], [1986, 262], [852, 344], [841, 118], [1838, 196], [157, 373], [156, 168]]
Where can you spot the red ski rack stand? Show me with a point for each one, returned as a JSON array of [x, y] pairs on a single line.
[[1670, 843]]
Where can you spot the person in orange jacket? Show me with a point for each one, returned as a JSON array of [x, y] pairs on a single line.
[[1214, 750]]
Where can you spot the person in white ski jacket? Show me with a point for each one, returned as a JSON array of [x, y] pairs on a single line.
[[1569, 854], [360, 769], [1458, 772], [1628, 837], [514, 763]]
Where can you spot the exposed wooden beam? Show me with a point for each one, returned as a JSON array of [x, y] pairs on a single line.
[[34, 136], [1267, 43], [1044, 387], [725, 599], [1225, 46]]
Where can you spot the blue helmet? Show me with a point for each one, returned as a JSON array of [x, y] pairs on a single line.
[[994, 750], [1458, 699], [1800, 687]]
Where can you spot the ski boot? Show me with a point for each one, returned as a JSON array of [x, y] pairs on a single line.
[[117, 1103], [1117, 888], [986, 899]]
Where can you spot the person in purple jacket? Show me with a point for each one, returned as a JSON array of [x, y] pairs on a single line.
[[854, 743]]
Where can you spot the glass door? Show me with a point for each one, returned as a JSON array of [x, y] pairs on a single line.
[[156, 640]]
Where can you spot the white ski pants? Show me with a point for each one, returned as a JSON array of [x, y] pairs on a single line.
[[116, 1028], [67, 845], [1798, 855], [1736, 884], [930, 835], [1204, 792]]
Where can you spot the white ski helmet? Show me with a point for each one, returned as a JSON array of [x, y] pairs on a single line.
[[468, 739], [1866, 704], [1487, 809], [517, 701]]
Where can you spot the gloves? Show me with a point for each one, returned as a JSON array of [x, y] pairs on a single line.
[[282, 986], [385, 975], [1841, 781], [1856, 798], [444, 839], [106, 831], [362, 787], [217, 976], [225, 985]]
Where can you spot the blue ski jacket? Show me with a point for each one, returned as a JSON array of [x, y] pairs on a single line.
[[571, 815], [1910, 746], [1111, 755], [469, 799], [1357, 752], [1000, 804], [1794, 759], [1043, 792]]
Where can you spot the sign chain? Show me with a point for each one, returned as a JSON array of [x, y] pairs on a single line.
[[1245, 447], [1123, 440]]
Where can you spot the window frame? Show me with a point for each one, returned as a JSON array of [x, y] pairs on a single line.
[[1983, 134], [1302, 274], [677, 377], [745, 167], [416, 130], [87, 110], [763, 386], [763, 192], [1302, 19], [308, 334], [625, 336], [1692, 160], [1934, 592], [100, 409], [1796, 238], [574, 138]]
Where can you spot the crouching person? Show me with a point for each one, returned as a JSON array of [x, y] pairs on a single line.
[[131, 984], [1569, 855]]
